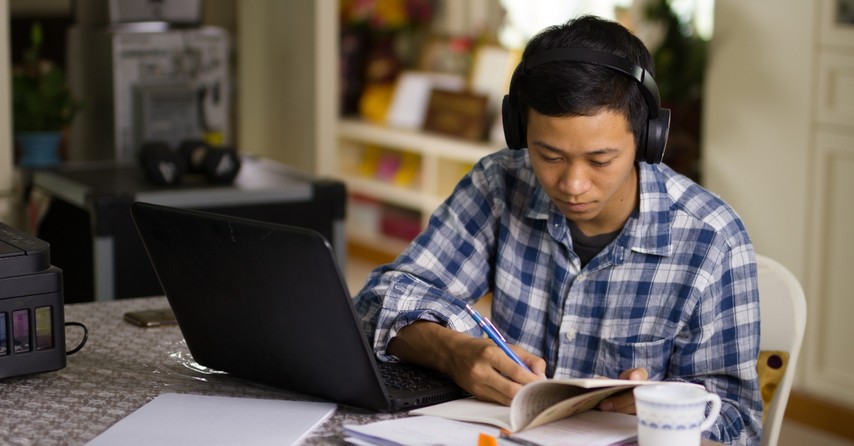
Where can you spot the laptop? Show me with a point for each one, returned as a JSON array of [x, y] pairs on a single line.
[[267, 302]]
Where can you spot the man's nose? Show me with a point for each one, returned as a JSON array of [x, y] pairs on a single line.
[[575, 180]]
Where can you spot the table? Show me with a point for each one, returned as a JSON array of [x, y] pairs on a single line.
[[94, 241], [120, 369]]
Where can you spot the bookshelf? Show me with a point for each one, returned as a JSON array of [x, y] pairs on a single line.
[[395, 177], [437, 163]]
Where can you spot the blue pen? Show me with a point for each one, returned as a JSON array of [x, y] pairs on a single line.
[[493, 334]]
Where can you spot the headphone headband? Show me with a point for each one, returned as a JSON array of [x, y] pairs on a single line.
[[607, 60], [653, 142]]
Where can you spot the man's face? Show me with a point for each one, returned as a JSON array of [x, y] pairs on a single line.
[[586, 166]]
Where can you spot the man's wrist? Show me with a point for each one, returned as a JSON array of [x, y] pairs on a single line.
[[425, 343]]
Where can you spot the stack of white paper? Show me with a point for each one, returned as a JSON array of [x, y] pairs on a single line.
[[179, 419], [417, 431]]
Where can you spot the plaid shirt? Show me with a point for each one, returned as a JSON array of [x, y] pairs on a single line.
[[675, 292]]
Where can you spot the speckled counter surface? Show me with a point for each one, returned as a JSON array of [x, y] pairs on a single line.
[[121, 368]]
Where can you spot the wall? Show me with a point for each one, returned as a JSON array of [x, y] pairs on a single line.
[[276, 101], [757, 123], [769, 152]]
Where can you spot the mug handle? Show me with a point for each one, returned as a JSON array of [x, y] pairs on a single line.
[[713, 412]]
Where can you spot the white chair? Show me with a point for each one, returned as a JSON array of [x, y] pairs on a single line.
[[783, 319]]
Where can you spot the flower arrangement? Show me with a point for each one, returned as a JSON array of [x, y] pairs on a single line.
[[379, 38], [387, 15]]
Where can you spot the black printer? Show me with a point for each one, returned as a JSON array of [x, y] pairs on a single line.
[[32, 320]]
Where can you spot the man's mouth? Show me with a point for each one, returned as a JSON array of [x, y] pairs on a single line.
[[577, 207]]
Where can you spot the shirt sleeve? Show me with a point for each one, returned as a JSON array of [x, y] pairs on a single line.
[[445, 267], [721, 350]]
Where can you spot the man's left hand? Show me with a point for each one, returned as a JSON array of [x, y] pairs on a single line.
[[625, 401]]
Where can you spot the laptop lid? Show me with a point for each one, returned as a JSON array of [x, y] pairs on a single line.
[[266, 302]]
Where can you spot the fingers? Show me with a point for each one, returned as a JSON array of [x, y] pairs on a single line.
[[488, 373], [487, 382], [636, 374], [476, 364], [536, 364], [623, 402]]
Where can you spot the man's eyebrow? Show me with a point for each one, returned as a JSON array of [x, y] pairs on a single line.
[[601, 151]]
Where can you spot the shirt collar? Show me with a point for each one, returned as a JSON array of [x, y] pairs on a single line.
[[649, 230]]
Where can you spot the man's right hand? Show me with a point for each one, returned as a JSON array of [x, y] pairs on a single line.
[[475, 364]]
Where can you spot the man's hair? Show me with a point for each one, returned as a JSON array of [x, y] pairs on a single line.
[[565, 88]]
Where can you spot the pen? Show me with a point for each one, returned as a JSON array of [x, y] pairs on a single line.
[[493, 334], [507, 436]]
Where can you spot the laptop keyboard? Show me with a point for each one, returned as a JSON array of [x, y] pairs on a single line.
[[410, 378]]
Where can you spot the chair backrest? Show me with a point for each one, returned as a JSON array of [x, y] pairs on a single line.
[[783, 319]]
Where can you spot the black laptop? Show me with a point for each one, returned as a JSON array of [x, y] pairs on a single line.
[[267, 302]]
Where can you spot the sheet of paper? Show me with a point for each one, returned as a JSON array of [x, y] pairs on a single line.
[[418, 431], [181, 419], [591, 428], [469, 409]]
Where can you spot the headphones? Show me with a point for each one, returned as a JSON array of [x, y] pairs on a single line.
[[652, 144], [165, 166]]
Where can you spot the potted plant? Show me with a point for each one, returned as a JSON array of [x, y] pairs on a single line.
[[680, 55], [42, 106]]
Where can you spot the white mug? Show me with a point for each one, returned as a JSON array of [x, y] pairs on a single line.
[[673, 413]]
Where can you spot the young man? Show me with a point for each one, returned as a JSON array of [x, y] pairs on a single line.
[[600, 260]]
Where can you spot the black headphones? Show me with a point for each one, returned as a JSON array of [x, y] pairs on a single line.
[[165, 166], [651, 146]]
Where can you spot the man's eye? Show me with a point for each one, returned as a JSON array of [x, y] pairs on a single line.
[[600, 163]]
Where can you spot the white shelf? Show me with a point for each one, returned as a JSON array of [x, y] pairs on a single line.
[[383, 191], [426, 144], [443, 161]]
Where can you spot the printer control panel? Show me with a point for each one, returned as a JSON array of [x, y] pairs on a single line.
[[32, 318], [21, 253]]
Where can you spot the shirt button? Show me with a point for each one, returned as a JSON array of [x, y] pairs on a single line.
[[569, 335]]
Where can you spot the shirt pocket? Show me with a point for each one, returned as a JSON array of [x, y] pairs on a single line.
[[617, 356]]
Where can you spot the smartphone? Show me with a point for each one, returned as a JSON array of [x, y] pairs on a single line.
[[151, 318]]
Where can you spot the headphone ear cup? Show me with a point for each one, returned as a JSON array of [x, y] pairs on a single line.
[[160, 164], [656, 137], [221, 165], [194, 153], [514, 129]]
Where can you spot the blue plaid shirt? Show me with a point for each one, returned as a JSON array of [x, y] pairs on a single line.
[[675, 292]]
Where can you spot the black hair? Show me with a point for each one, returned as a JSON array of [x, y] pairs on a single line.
[[563, 88]]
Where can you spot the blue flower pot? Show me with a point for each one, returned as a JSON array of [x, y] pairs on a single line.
[[38, 149]]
